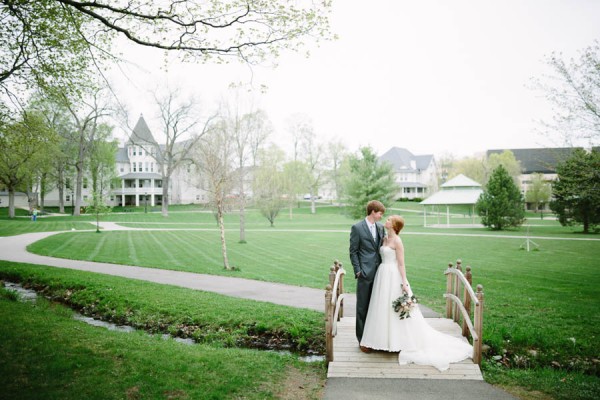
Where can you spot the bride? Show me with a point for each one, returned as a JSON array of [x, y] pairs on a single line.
[[413, 337]]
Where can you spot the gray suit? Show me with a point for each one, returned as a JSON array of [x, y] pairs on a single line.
[[365, 258]]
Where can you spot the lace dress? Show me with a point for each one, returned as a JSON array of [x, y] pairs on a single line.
[[413, 337]]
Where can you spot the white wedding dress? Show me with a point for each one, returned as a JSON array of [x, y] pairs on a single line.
[[413, 337]]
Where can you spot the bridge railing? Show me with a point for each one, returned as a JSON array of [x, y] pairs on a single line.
[[456, 307], [334, 305]]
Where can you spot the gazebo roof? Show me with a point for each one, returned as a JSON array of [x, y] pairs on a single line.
[[461, 181], [458, 190]]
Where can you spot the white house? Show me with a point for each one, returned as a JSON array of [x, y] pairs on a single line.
[[416, 175]]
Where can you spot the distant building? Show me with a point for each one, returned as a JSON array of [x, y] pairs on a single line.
[[541, 160], [138, 167], [416, 175]]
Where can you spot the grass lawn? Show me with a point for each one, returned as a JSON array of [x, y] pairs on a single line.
[[47, 354], [542, 313]]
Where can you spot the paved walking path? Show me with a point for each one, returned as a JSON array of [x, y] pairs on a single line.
[[14, 248]]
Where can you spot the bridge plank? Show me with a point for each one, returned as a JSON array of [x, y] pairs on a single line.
[[350, 362]]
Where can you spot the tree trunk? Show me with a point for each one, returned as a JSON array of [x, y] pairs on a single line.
[[78, 187], [222, 229], [165, 195], [61, 191], [242, 208], [11, 202]]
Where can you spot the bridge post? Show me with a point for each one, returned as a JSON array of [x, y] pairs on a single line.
[[467, 300], [457, 285], [478, 325], [328, 323], [449, 291]]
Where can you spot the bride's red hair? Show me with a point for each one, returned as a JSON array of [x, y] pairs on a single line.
[[397, 223]]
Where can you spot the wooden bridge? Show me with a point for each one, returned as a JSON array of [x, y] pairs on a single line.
[[346, 360]]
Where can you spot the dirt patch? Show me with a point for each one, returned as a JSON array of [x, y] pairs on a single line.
[[302, 385]]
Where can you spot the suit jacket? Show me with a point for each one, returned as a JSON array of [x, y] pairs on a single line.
[[364, 251]]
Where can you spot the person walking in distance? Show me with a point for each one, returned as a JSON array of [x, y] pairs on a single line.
[[366, 237]]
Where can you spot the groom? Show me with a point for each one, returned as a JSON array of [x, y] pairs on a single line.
[[366, 238]]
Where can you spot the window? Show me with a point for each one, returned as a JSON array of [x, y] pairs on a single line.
[[68, 197], [146, 168], [140, 166], [151, 167], [133, 167], [85, 183], [121, 169]]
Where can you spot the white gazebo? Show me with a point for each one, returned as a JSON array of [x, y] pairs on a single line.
[[459, 190]]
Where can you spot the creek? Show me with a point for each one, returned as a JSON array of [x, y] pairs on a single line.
[[29, 295]]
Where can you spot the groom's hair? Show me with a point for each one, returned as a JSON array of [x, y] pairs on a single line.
[[375, 205]]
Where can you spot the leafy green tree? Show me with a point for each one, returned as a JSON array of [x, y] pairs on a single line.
[[501, 204], [22, 145], [296, 177], [368, 180], [269, 184], [508, 161], [473, 167], [577, 190], [42, 44], [98, 206], [102, 162], [53, 40], [539, 192]]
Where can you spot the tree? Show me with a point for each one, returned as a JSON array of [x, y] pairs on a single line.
[[59, 120], [337, 154], [86, 116], [247, 131], [314, 158], [368, 180], [44, 44], [21, 144], [539, 191], [577, 190], [213, 157], [296, 180], [473, 167], [97, 206], [49, 39], [508, 161], [269, 183], [180, 120], [574, 91], [501, 204]]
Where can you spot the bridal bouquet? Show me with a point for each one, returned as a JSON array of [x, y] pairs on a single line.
[[404, 304]]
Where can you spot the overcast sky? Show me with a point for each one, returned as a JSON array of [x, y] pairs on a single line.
[[432, 76]]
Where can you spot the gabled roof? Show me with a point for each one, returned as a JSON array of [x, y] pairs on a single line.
[[461, 181], [542, 160], [141, 133], [402, 160], [458, 190]]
